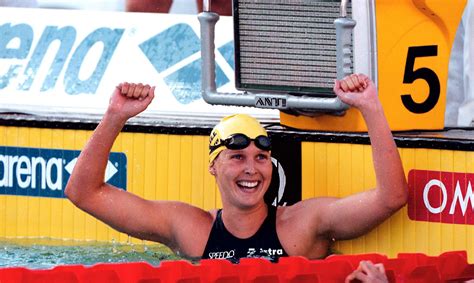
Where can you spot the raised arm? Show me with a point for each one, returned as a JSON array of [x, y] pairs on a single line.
[[126, 212], [357, 214]]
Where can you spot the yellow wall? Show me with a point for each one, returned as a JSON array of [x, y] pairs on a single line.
[[174, 167], [158, 167], [342, 169]]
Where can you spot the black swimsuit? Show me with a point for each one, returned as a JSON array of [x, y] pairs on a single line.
[[263, 244]]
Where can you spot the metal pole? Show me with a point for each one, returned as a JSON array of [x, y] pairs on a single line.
[[206, 5], [208, 22], [343, 8]]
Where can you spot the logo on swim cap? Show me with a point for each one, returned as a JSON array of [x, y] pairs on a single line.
[[214, 139], [233, 124]]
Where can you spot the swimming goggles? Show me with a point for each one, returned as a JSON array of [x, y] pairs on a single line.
[[241, 141]]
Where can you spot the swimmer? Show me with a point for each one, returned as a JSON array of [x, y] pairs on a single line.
[[240, 161]]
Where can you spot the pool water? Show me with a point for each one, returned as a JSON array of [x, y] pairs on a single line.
[[46, 253]]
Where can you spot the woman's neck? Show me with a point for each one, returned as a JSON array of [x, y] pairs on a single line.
[[244, 223]]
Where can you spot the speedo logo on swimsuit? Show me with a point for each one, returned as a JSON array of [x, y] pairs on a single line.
[[222, 255]]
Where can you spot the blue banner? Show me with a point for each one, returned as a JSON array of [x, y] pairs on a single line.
[[41, 172]]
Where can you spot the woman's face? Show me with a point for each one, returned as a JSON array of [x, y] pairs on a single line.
[[243, 176]]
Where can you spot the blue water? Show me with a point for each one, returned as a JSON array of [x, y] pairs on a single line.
[[46, 253]]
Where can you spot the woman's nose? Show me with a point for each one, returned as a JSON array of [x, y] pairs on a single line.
[[250, 167]]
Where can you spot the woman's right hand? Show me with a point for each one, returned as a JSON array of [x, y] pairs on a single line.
[[130, 99]]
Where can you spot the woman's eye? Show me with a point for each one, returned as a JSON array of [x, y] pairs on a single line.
[[237, 156], [262, 157]]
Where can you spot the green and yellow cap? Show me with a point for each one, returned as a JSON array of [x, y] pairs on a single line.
[[233, 124]]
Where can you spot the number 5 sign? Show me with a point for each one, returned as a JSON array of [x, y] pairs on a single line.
[[423, 73], [412, 40]]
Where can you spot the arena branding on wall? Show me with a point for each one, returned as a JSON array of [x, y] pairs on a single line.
[[41, 172], [67, 62]]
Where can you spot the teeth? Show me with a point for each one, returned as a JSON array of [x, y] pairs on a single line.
[[248, 184]]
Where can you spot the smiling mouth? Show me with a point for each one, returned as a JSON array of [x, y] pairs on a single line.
[[248, 185]]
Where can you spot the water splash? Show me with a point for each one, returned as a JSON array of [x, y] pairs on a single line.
[[46, 253]]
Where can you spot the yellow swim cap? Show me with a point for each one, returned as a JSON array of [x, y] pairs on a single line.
[[233, 124]]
